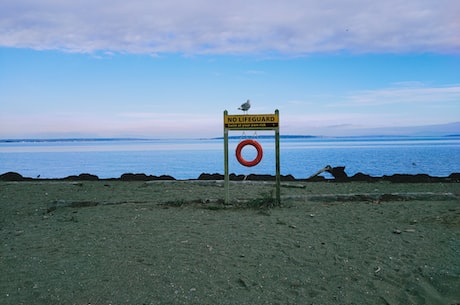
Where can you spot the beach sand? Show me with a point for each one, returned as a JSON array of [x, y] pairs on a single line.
[[174, 242]]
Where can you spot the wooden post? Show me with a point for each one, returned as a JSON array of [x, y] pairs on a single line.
[[226, 177], [278, 165]]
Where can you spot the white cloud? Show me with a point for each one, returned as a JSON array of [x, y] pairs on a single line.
[[401, 105], [222, 27], [142, 124], [410, 94]]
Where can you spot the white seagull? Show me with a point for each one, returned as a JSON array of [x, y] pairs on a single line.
[[245, 106]]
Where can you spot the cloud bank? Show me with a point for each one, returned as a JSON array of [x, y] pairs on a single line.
[[293, 27]]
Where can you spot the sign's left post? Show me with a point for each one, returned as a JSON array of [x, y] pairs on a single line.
[[226, 174]]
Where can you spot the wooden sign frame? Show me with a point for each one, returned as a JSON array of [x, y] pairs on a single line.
[[252, 122]]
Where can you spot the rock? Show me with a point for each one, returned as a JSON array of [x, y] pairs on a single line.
[[134, 177], [255, 177], [258, 177], [406, 178], [11, 176], [235, 177], [317, 179], [454, 177], [338, 172], [164, 177], [362, 178], [144, 177], [215, 176], [288, 178], [83, 177]]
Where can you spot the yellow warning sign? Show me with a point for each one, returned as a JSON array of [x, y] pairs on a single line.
[[248, 121]]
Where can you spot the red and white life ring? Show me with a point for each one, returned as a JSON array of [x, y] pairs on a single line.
[[256, 145]]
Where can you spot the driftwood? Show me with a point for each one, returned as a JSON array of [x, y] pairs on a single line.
[[338, 172]]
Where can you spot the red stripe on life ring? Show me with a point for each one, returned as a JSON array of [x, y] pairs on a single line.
[[256, 145]]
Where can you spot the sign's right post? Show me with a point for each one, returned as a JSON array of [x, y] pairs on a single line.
[[278, 166]]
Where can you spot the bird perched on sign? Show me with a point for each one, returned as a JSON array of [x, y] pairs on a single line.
[[245, 106]]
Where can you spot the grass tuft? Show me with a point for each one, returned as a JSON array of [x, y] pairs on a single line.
[[264, 201]]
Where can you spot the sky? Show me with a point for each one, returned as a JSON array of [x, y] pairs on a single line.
[[163, 69]]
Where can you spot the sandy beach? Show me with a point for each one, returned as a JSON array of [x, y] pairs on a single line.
[[175, 242]]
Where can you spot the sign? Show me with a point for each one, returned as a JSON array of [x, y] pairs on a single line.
[[248, 121], [252, 122]]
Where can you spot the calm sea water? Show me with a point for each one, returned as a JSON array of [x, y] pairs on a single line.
[[187, 159]]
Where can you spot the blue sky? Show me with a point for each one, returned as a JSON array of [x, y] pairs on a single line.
[[109, 69]]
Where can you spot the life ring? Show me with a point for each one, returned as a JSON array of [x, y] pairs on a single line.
[[256, 145]]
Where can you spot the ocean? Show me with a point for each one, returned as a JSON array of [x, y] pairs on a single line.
[[188, 158]]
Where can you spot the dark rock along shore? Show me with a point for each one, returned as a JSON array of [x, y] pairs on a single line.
[[338, 177]]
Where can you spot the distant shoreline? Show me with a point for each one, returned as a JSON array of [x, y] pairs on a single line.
[[56, 140]]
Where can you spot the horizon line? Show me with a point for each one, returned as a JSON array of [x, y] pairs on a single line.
[[96, 139]]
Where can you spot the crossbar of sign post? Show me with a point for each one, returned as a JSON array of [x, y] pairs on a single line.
[[248, 122]]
